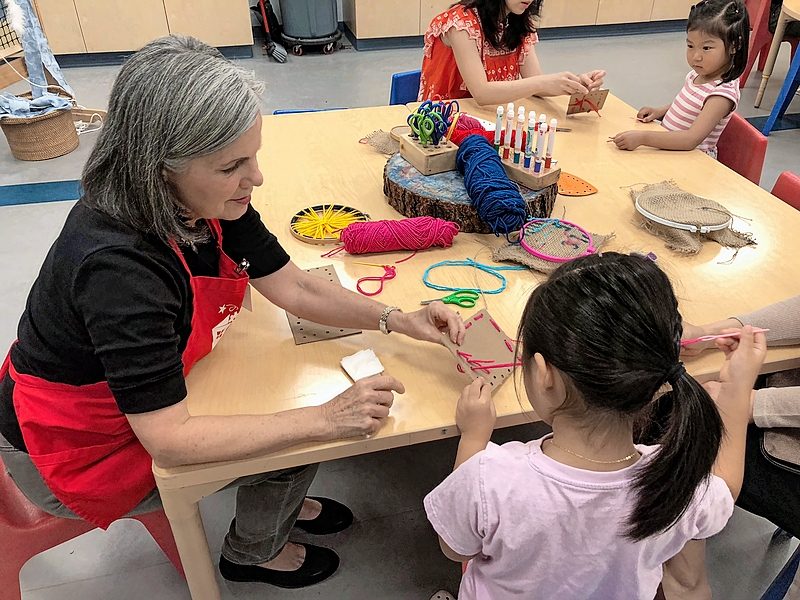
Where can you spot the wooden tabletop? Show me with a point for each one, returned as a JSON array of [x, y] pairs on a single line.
[[315, 157], [791, 8]]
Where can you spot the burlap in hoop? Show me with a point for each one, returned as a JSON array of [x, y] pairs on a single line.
[[712, 221], [516, 253]]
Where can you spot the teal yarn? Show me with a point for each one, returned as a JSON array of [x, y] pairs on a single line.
[[491, 270], [495, 197]]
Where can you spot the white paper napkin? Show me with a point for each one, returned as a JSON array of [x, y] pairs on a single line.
[[362, 364]]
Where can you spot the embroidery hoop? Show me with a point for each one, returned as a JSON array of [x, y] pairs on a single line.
[[583, 243], [330, 230], [723, 223]]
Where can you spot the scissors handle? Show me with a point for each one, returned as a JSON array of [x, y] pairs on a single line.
[[462, 298]]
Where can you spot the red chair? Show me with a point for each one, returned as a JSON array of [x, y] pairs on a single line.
[[26, 531], [787, 188], [742, 148], [760, 37]]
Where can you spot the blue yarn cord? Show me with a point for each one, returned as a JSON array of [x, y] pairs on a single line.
[[495, 197], [491, 270]]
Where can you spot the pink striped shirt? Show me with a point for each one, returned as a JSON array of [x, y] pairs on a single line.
[[690, 101]]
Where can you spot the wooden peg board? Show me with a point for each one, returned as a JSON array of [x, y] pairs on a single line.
[[429, 159], [526, 177], [305, 331], [484, 345]]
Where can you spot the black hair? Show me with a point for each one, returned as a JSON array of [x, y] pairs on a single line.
[[493, 22], [729, 21], [610, 324]]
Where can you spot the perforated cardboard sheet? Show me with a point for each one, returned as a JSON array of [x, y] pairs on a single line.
[[486, 352], [305, 331], [579, 103]]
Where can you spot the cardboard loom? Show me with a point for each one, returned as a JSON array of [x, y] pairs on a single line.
[[486, 352], [584, 103], [305, 331]]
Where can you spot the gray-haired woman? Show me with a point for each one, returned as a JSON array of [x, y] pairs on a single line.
[[150, 268]]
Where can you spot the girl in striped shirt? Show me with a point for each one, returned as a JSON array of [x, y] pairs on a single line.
[[717, 37]]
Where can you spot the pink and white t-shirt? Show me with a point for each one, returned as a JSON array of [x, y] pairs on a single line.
[[690, 101], [541, 529]]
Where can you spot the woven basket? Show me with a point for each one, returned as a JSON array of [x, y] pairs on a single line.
[[42, 137]]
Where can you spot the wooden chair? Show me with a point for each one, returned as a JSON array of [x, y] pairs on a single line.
[[405, 87], [787, 188], [26, 531], [760, 37], [742, 148]]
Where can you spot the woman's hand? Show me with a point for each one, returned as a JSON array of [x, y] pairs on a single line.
[[360, 409], [593, 80], [429, 323], [564, 83], [475, 413], [692, 332], [629, 140]]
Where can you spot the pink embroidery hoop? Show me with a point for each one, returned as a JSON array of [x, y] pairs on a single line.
[[581, 244]]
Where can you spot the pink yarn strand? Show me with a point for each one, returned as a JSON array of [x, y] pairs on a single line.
[[417, 233]]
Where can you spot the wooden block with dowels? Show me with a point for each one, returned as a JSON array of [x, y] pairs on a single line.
[[531, 180], [430, 159]]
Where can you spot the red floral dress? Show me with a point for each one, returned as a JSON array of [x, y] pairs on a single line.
[[440, 76]]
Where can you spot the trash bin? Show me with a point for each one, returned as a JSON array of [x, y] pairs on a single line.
[[311, 23]]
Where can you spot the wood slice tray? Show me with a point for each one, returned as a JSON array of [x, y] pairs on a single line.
[[444, 196]]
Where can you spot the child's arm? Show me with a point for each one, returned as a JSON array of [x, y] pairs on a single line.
[[475, 417], [647, 113], [743, 360], [714, 110]]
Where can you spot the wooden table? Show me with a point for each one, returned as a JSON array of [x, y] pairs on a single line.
[[790, 11], [256, 368]]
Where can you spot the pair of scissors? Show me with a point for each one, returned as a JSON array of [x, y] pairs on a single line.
[[428, 127], [462, 298], [448, 110]]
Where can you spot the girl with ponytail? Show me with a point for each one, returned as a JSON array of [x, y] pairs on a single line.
[[585, 513]]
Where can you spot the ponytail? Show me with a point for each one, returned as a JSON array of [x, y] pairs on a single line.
[[689, 444]]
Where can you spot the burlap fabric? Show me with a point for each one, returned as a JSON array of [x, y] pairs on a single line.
[[383, 142], [667, 201], [516, 253]]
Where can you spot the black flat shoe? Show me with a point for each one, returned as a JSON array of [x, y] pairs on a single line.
[[319, 564], [335, 517]]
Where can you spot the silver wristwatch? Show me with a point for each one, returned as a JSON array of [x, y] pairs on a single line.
[[385, 317]]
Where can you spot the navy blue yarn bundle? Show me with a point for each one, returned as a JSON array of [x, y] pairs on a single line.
[[495, 197]]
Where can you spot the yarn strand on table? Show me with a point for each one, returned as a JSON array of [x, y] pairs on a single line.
[[417, 233], [495, 197]]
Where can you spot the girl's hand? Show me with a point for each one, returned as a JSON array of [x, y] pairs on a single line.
[[647, 114], [429, 323], [691, 332], [564, 83], [593, 80], [360, 409], [629, 140], [475, 413], [743, 359]]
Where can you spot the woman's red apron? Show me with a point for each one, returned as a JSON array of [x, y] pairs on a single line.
[[77, 437]]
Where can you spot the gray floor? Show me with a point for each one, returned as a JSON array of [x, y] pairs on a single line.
[[390, 552]]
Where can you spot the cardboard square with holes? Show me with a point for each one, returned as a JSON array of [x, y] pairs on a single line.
[[305, 331], [486, 352]]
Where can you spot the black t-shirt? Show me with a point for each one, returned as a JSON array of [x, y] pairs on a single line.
[[112, 304]]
